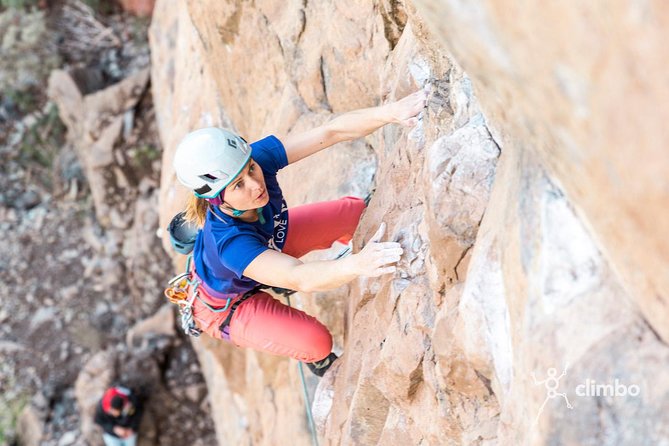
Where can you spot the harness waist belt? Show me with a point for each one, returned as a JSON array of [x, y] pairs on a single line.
[[234, 306]]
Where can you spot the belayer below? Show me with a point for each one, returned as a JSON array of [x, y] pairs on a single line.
[[119, 413], [244, 237]]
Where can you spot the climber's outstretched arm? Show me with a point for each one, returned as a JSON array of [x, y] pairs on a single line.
[[280, 270], [355, 124]]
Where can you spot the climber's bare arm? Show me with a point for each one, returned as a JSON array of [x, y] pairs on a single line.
[[355, 124], [280, 270]]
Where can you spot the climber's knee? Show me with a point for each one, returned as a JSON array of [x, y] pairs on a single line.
[[320, 344], [265, 324]]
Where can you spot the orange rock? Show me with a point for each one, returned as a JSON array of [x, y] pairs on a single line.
[[142, 8]]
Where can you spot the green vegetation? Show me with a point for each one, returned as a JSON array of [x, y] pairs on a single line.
[[16, 4], [100, 6], [25, 101], [143, 155], [9, 416], [43, 139], [139, 25]]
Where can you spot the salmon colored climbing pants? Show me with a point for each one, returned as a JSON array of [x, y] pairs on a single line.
[[266, 324]]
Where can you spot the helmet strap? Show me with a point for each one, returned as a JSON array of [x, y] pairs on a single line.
[[215, 201], [218, 201], [235, 212]]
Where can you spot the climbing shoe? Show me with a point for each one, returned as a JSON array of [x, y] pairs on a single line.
[[319, 368], [283, 291]]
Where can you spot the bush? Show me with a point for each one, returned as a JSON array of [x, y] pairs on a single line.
[[43, 138], [16, 4]]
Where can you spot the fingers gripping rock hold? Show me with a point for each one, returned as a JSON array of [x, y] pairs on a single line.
[[377, 257]]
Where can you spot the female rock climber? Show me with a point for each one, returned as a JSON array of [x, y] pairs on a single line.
[[249, 237]]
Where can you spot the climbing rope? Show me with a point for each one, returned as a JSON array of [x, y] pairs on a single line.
[[300, 366], [310, 417], [312, 424], [307, 405]]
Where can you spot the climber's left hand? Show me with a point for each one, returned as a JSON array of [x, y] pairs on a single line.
[[406, 110], [354, 124]]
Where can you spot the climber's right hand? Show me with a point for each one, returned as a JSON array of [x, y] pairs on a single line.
[[377, 257]]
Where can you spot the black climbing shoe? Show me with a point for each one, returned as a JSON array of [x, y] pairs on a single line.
[[283, 291], [319, 368]]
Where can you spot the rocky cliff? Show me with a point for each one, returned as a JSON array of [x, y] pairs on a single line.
[[528, 201]]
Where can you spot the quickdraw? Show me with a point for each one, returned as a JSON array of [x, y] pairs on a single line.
[[177, 293], [182, 291]]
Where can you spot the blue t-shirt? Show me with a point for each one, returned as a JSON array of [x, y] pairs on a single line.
[[226, 246]]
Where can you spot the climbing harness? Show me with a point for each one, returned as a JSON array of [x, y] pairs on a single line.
[[224, 325], [182, 291]]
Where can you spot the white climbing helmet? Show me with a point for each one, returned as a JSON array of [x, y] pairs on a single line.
[[208, 159]]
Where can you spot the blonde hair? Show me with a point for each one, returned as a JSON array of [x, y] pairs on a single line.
[[196, 210]]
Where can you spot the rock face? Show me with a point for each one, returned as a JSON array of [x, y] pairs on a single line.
[[585, 90], [534, 269]]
